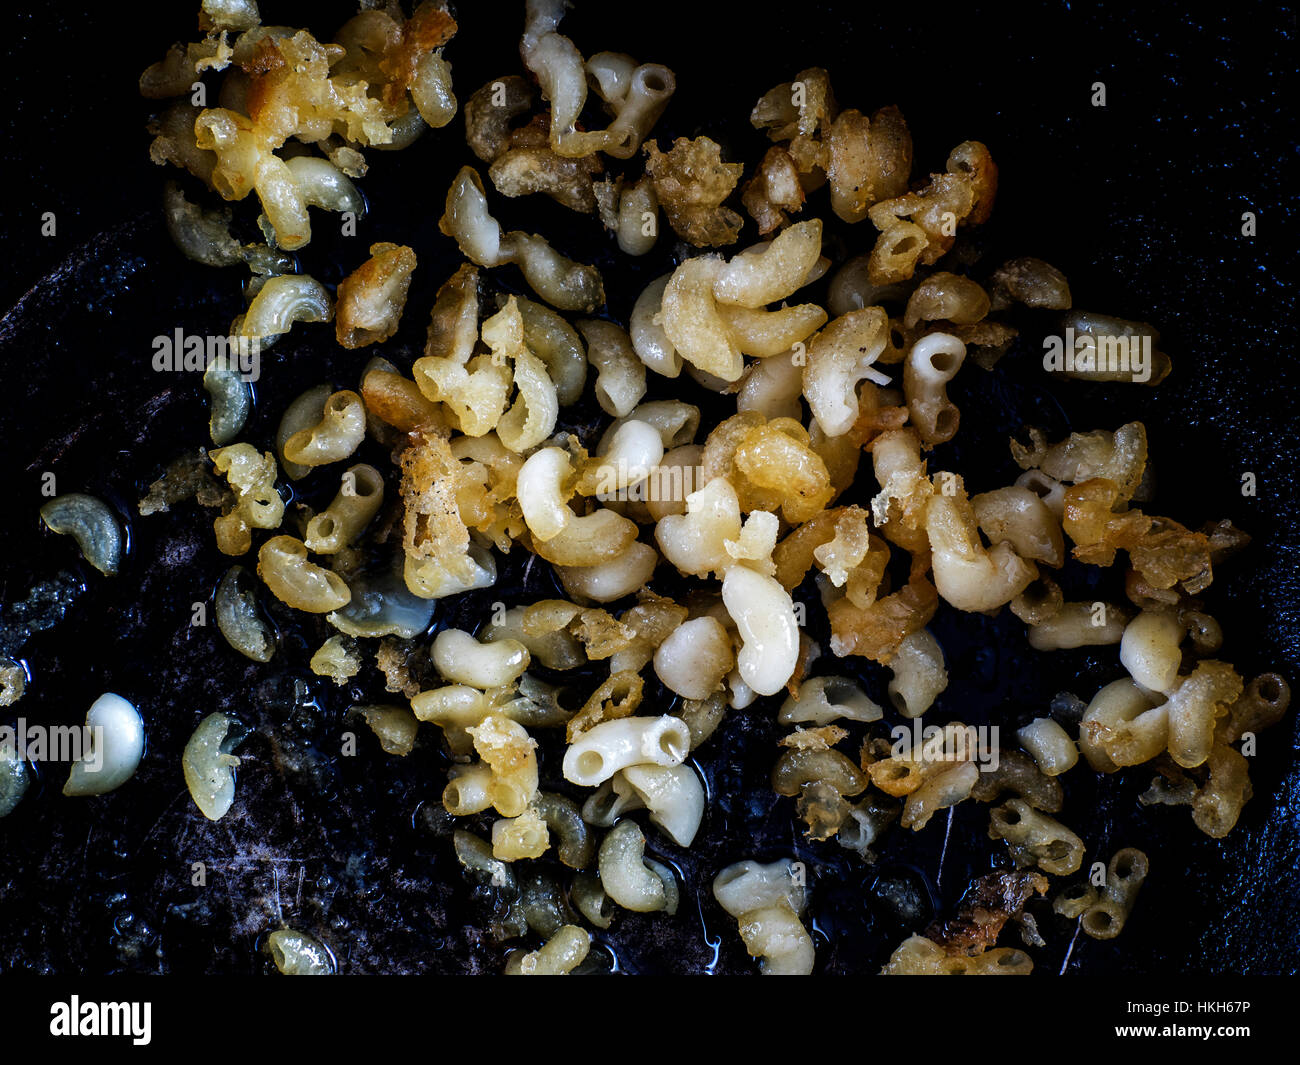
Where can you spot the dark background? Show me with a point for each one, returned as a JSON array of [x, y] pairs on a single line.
[[1139, 203]]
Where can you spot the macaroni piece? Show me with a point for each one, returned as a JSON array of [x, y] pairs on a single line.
[[1217, 805], [673, 795], [1122, 726], [561, 282], [966, 574], [525, 836], [510, 753], [691, 182], [868, 160], [770, 273], [1042, 600], [1105, 918], [1194, 708], [1031, 282], [1119, 456], [933, 361], [947, 297], [919, 673], [337, 435], [1050, 745], [462, 659], [576, 845], [626, 875], [489, 112], [395, 727], [116, 732], [774, 190], [1019, 516], [918, 956], [620, 380], [695, 658], [591, 901], [531, 418], [617, 697], [94, 527], [1035, 839], [769, 632], [209, 768], [1074, 624], [298, 954], [840, 357], [372, 297], [356, 504], [692, 322], [1151, 650], [558, 956], [820, 700], [1100, 360], [604, 749], [301, 414], [798, 767], [256, 504], [337, 658], [649, 340], [556, 343], [702, 717], [766, 901], [231, 400], [1017, 772], [282, 564], [607, 581], [281, 302], [555, 649]]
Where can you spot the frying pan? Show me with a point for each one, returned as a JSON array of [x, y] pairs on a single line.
[[1139, 202]]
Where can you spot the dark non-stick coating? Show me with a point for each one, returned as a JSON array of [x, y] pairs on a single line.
[[1139, 202]]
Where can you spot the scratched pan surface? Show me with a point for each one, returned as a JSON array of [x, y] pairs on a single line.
[[1140, 203]]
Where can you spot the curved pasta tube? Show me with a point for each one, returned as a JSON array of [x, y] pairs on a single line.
[[542, 492], [606, 581], [605, 749], [461, 659], [322, 184], [933, 361], [1151, 651], [673, 795], [92, 524], [209, 769], [116, 732], [839, 357], [282, 564], [231, 400], [649, 340], [756, 278], [692, 322], [337, 435], [558, 956], [624, 873], [767, 900], [238, 618], [298, 954], [283, 300], [966, 574], [764, 615]]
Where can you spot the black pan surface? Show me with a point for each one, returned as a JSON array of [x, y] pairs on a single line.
[[1139, 202]]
